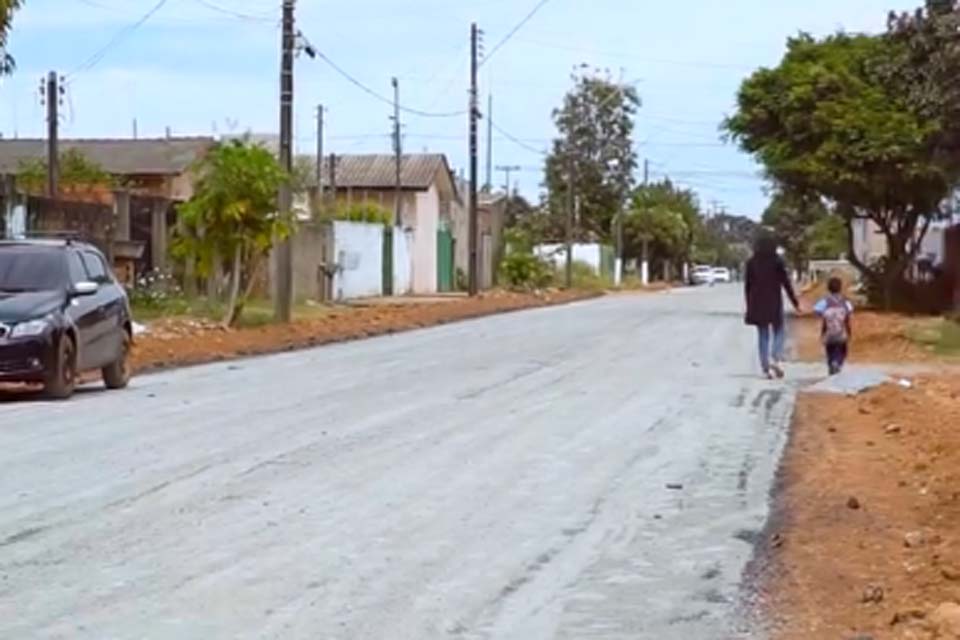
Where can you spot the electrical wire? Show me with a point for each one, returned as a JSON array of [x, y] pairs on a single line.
[[540, 5], [237, 14], [515, 140], [360, 85], [95, 59]]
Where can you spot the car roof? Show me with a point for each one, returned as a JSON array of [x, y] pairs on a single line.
[[44, 243]]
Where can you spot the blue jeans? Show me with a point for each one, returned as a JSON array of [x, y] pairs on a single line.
[[779, 341]]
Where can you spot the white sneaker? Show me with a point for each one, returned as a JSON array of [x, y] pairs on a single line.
[[777, 369]]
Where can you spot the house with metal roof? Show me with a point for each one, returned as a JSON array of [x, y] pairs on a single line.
[[156, 167], [426, 196]]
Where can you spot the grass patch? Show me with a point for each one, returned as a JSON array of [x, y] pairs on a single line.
[[941, 336], [256, 313]]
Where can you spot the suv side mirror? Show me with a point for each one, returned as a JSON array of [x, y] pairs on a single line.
[[81, 289]]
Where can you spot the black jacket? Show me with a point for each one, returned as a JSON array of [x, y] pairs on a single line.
[[766, 278]]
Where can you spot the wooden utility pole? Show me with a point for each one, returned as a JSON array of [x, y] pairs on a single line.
[[398, 157], [645, 265], [571, 205], [320, 152], [283, 251], [489, 184], [53, 134], [474, 276]]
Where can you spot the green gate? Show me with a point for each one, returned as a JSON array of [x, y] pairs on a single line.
[[445, 275], [388, 260]]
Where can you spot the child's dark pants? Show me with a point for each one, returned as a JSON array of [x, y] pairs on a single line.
[[836, 356]]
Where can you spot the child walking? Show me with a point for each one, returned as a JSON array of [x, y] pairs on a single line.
[[836, 328]]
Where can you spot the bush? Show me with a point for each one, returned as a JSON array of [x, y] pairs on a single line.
[[368, 212], [586, 277], [525, 271], [157, 291]]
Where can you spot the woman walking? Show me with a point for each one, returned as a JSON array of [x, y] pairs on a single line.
[[766, 279]]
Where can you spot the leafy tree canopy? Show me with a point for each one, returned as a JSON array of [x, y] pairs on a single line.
[[7, 9], [829, 122], [595, 125]]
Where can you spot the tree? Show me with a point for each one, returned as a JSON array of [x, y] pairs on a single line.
[[517, 209], [596, 127], [668, 217], [7, 9], [234, 213], [827, 123], [828, 238], [794, 217]]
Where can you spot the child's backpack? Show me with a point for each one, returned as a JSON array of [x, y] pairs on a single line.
[[835, 321]]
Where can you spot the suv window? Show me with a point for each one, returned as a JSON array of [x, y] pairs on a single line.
[[78, 273], [32, 269], [96, 269]]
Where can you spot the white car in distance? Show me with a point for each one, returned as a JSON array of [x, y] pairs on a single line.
[[722, 274], [702, 274]]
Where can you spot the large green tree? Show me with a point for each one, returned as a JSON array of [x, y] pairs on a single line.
[[595, 142], [7, 9], [234, 213], [828, 123], [668, 218]]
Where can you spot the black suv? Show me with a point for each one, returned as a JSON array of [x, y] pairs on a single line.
[[61, 313]]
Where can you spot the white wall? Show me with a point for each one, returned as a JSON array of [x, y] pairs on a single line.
[[557, 253], [402, 262], [358, 250], [425, 242]]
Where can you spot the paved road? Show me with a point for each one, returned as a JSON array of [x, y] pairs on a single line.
[[502, 478]]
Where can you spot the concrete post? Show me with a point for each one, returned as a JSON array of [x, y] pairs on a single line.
[[158, 234], [121, 210]]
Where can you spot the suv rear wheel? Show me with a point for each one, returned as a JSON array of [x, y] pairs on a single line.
[[62, 379], [117, 375]]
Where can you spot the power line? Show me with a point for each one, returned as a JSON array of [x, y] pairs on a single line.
[[95, 59], [515, 140], [360, 85], [236, 14], [540, 5]]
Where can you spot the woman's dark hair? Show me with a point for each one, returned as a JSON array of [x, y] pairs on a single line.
[[765, 245]]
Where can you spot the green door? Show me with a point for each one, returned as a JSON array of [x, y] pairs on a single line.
[[388, 260], [445, 279]]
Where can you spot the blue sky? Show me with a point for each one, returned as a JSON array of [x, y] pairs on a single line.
[[197, 67]]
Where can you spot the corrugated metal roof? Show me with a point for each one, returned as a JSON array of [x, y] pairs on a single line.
[[162, 156], [378, 171]]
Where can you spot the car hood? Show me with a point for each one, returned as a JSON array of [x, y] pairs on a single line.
[[17, 307]]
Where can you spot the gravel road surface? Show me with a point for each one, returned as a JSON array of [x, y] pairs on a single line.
[[595, 471]]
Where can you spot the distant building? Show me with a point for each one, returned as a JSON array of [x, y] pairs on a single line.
[[158, 167], [428, 195]]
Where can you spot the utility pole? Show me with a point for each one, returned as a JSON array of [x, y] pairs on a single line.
[[474, 277], [507, 171], [283, 301], [571, 205], [645, 266], [489, 185], [53, 134], [398, 156], [320, 152], [398, 192]]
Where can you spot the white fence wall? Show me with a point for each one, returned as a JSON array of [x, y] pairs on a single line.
[[402, 262], [585, 253], [358, 250]]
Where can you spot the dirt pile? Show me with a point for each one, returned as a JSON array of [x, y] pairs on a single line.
[[869, 516]]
